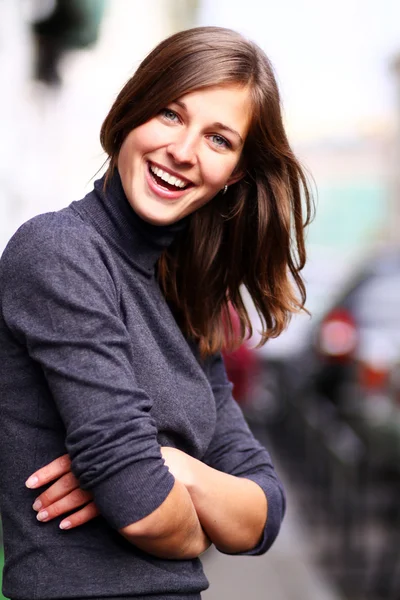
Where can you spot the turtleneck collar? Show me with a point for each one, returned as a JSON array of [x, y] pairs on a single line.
[[141, 242]]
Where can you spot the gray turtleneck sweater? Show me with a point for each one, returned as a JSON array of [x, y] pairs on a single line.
[[94, 364]]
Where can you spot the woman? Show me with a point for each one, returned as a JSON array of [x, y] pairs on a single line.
[[113, 314]]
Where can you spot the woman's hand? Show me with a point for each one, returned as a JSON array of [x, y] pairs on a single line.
[[63, 496]]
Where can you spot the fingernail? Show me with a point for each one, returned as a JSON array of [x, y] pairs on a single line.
[[37, 505], [65, 524], [42, 515], [31, 482]]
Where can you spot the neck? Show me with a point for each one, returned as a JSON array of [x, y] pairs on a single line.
[[142, 242]]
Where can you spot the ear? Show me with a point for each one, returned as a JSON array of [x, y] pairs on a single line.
[[236, 176]]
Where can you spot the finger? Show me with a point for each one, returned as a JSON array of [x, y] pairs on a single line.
[[53, 470], [61, 488], [73, 500], [88, 512]]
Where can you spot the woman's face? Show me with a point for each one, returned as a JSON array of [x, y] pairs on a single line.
[[180, 159]]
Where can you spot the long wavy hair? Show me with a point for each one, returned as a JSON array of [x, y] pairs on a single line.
[[251, 237]]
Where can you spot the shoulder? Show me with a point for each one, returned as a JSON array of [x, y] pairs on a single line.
[[50, 238], [50, 231]]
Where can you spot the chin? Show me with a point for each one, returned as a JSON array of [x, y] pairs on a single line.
[[159, 217]]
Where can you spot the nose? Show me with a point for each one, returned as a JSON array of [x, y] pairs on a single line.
[[183, 149]]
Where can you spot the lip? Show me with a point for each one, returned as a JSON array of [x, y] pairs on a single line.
[[162, 192]]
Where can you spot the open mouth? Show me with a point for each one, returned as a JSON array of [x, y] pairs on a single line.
[[166, 180]]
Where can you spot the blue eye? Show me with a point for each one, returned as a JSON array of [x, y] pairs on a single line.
[[169, 114], [220, 141]]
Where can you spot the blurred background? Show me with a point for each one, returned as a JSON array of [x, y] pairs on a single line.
[[325, 396]]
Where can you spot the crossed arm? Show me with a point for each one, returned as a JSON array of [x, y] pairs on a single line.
[[204, 506]]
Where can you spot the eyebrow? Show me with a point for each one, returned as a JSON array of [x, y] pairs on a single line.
[[217, 124]]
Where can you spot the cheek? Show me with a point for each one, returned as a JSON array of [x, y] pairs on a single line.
[[149, 136], [217, 173]]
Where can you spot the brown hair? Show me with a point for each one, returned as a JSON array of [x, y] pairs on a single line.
[[252, 236]]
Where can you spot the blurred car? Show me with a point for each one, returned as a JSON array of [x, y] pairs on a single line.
[[352, 352]]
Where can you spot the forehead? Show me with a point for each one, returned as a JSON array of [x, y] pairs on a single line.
[[229, 105]]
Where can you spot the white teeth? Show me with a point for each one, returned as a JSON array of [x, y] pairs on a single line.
[[171, 179]]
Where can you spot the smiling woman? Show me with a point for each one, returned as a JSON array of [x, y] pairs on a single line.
[[114, 311]]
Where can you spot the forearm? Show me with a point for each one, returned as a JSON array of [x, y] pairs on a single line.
[[172, 531], [232, 510]]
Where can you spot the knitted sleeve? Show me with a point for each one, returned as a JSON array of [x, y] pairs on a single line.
[[234, 450], [59, 299]]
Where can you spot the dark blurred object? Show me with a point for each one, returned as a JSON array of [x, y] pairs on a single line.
[[241, 366], [73, 24]]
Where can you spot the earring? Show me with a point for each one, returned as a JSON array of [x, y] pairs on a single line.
[[224, 190]]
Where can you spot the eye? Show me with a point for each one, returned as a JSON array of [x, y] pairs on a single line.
[[169, 114], [220, 141]]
